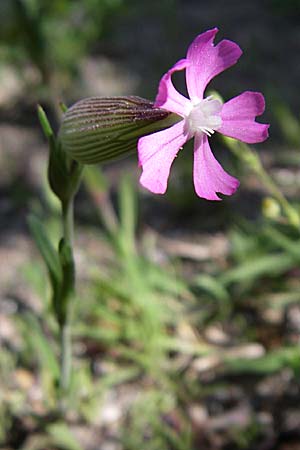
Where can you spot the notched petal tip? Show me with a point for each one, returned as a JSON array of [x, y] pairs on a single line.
[[208, 60], [228, 53], [238, 118], [261, 103], [265, 132], [202, 38], [230, 190]]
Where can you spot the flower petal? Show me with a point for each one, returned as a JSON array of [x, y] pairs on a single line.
[[208, 60], [168, 97], [238, 118], [156, 154], [209, 176]]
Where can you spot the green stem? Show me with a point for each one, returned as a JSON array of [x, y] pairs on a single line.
[[64, 323], [68, 221], [66, 357]]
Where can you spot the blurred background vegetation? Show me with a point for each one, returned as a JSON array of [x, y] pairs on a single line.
[[187, 322]]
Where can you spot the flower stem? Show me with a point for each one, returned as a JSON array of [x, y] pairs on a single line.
[[68, 221], [65, 319], [66, 358]]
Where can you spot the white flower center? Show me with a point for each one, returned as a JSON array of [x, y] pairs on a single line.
[[204, 116]]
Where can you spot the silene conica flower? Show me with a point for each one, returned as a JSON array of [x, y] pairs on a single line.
[[100, 129], [201, 117]]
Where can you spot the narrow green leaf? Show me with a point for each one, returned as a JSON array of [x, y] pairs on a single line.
[[42, 346], [270, 265], [212, 286], [128, 215], [269, 363], [291, 246], [164, 280], [47, 250], [51, 259], [63, 107], [45, 124], [63, 437]]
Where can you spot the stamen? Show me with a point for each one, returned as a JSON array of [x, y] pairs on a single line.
[[204, 116], [206, 130]]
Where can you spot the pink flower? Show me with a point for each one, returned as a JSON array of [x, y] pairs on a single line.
[[202, 116]]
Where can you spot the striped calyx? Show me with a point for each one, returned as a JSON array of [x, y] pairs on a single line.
[[100, 129]]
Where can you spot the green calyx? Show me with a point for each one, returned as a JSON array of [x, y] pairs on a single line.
[[64, 174], [100, 129]]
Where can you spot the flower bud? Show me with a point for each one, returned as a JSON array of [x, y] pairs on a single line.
[[271, 208], [99, 129]]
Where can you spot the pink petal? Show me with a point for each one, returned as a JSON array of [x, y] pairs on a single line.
[[238, 118], [209, 176], [156, 154], [168, 97], [208, 60]]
